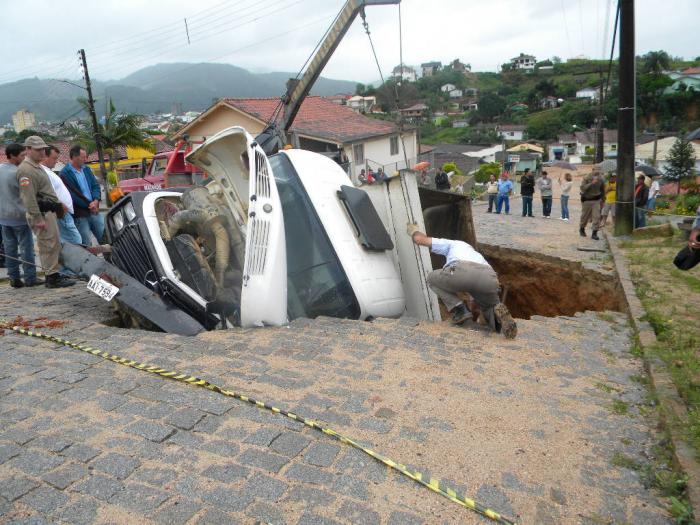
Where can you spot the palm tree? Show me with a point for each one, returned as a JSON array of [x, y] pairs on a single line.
[[656, 62], [116, 130]]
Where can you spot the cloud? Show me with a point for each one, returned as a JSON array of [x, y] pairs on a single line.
[[41, 37]]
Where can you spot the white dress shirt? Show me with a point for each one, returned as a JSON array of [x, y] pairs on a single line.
[[61, 191], [455, 251]]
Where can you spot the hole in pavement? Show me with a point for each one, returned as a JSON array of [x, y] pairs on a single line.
[[542, 285]]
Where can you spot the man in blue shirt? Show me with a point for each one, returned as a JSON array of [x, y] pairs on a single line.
[[466, 271], [505, 188], [86, 194]]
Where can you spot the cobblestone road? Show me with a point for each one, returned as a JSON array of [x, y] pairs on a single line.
[[527, 427], [548, 236]]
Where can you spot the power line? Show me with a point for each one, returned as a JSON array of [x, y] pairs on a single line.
[[259, 42], [606, 27], [566, 28], [580, 21], [148, 56], [151, 32], [154, 44]]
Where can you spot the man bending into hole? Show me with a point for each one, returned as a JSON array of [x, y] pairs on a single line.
[[466, 271]]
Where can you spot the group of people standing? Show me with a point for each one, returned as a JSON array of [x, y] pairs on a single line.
[[35, 201], [500, 190]]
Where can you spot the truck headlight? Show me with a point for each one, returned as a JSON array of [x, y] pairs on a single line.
[[118, 221], [129, 212]]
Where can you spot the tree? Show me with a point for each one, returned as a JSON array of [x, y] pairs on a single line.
[[556, 60], [116, 130], [490, 105], [681, 161], [483, 174], [656, 62], [544, 125]]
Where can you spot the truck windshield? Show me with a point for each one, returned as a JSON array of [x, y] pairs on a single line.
[[316, 282]]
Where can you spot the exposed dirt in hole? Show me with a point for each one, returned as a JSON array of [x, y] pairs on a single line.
[[543, 285]]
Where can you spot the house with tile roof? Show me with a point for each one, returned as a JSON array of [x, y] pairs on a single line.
[[352, 139]]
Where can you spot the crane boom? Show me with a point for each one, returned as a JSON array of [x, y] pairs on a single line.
[[274, 135]]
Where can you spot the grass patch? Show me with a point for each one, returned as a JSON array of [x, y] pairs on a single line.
[[605, 316], [620, 460], [606, 388], [620, 407]]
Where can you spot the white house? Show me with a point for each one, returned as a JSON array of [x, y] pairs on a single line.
[[430, 68], [523, 61], [588, 92], [361, 104], [511, 131], [353, 140], [446, 88], [456, 93], [405, 72]]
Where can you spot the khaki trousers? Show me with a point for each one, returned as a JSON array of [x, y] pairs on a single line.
[[478, 280], [49, 243], [590, 210]]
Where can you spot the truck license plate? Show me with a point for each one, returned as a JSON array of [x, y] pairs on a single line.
[[102, 288]]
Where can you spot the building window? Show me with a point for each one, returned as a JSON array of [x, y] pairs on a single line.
[[394, 146], [358, 153], [613, 147]]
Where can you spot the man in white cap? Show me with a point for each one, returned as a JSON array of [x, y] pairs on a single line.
[[42, 205]]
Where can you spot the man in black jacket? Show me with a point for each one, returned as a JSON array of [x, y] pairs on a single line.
[[442, 181], [527, 190], [641, 196]]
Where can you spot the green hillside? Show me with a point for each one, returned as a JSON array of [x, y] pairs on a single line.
[[517, 97]]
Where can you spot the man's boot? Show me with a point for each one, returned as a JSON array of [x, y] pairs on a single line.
[[595, 235], [460, 314], [16, 283], [34, 282], [582, 232], [56, 280]]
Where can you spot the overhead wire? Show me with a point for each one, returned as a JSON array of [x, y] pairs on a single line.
[[580, 22], [147, 57], [156, 45], [606, 27], [566, 28], [163, 29], [228, 53]]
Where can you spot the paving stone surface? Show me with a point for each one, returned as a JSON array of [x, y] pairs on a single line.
[[524, 426]]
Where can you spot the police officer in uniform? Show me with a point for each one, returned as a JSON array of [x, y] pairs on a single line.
[[42, 204]]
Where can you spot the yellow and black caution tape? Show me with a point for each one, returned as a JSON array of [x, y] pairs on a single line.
[[433, 484]]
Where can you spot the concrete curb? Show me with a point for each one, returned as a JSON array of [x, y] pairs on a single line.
[[672, 407]]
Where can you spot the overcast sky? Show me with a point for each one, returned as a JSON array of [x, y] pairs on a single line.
[[41, 37]]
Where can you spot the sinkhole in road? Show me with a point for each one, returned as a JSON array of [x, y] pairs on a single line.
[[548, 286]]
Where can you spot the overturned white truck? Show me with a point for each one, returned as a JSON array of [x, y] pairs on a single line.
[[269, 240]]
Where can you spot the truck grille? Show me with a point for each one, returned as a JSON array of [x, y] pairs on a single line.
[[129, 253], [257, 248], [262, 176]]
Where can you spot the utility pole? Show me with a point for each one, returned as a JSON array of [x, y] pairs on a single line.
[[624, 206], [599, 142], [93, 116]]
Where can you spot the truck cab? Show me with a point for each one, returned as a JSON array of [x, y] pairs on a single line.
[[266, 240]]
